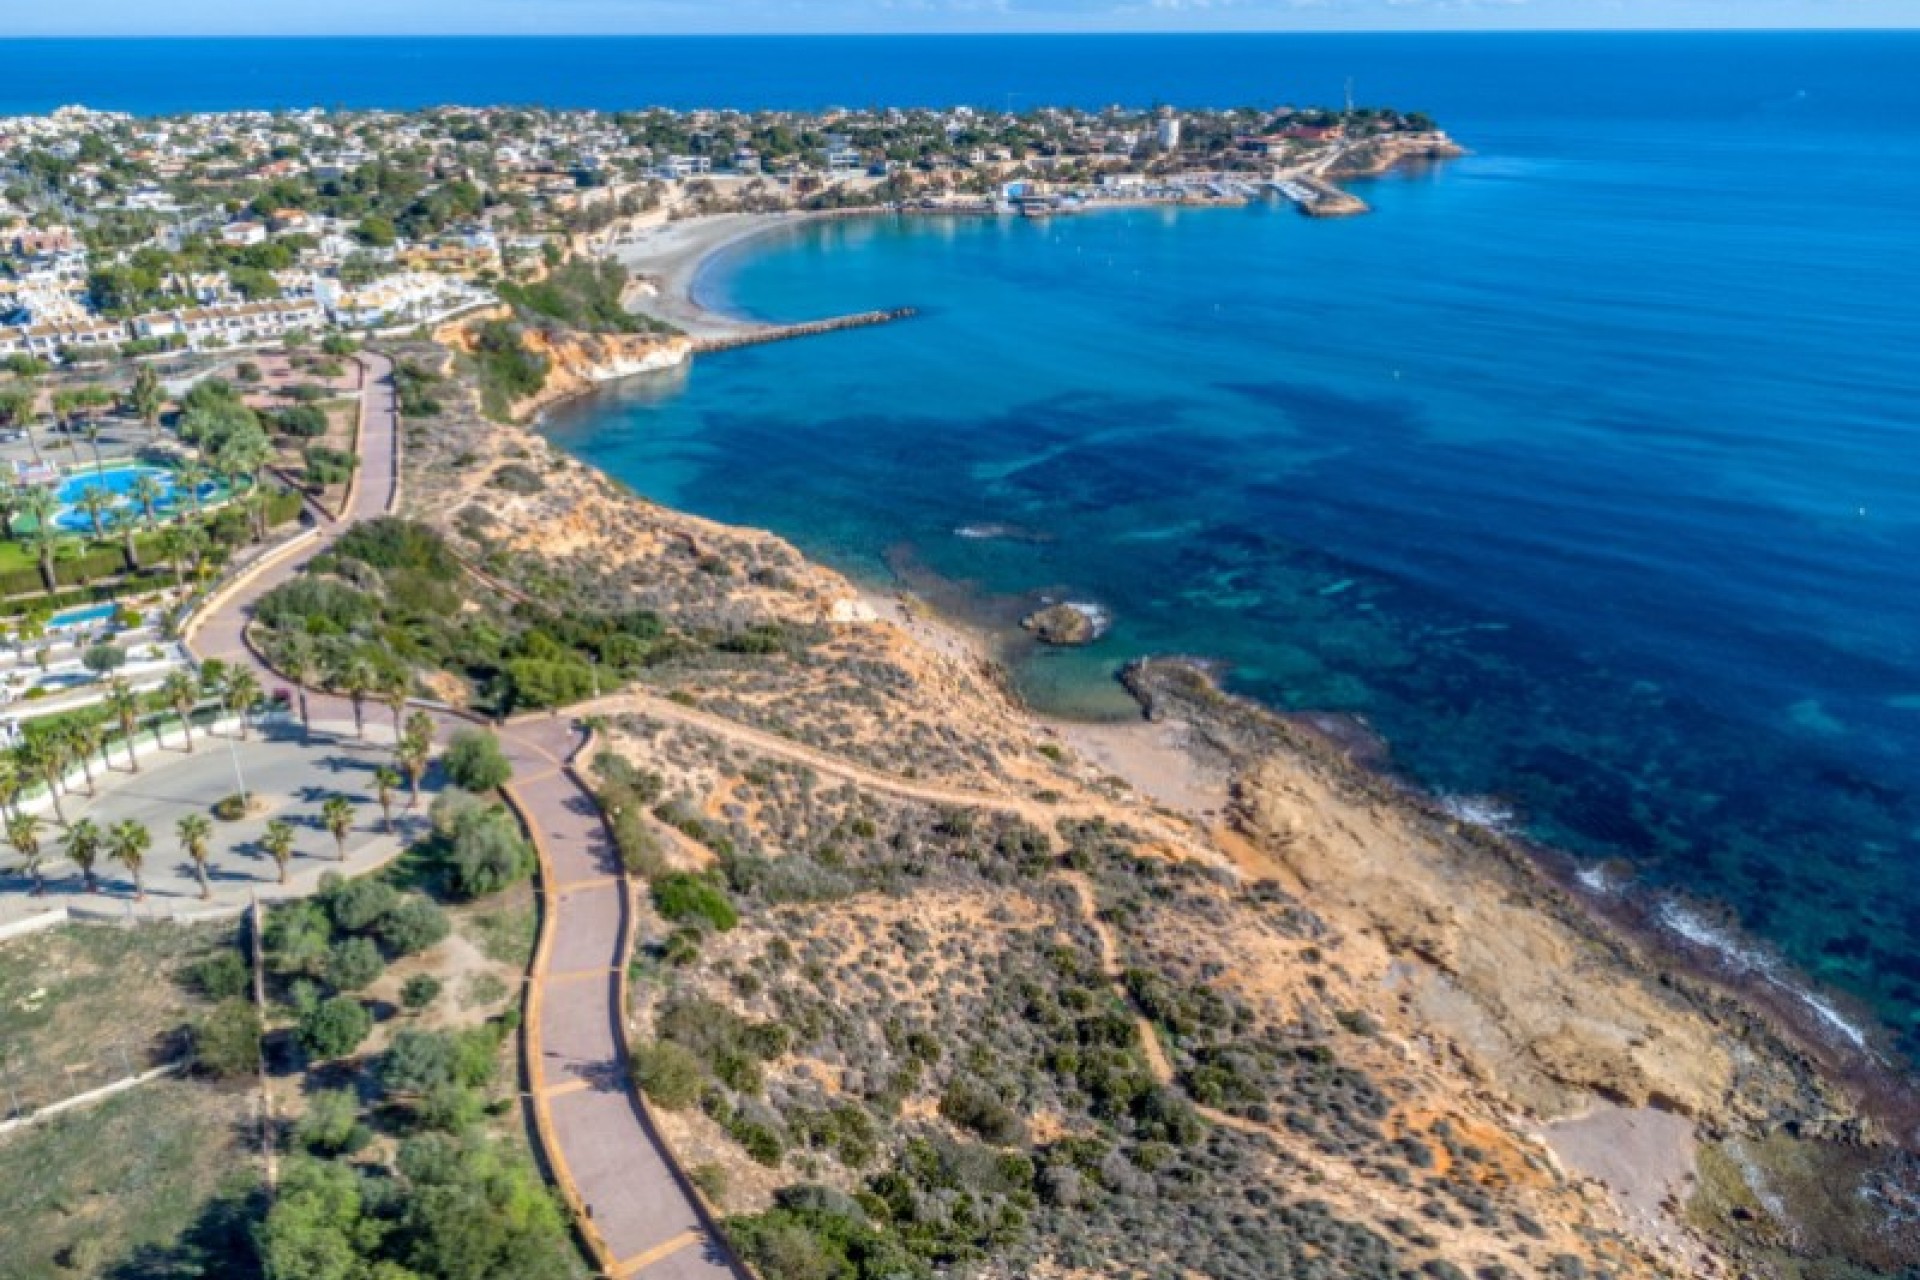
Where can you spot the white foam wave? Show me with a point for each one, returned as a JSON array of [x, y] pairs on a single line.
[[1712, 937], [1831, 1017], [1484, 812], [1746, 959], [1099, 615], [1596, 880]]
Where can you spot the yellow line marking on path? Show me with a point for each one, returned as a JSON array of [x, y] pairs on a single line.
[[575, 1085], [640, 1262], [584, 886], [579, 975]]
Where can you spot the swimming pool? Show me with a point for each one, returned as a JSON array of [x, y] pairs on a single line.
[[82, 616], [118, 483]]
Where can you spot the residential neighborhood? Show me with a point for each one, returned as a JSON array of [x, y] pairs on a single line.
[[140, 237]]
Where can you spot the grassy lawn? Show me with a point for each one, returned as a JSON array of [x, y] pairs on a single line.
[[74, 999], [149, 1183]]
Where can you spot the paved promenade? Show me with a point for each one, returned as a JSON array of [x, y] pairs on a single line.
[[641, 1219]]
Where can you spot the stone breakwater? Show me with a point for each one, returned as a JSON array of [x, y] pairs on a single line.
[[781, 333]]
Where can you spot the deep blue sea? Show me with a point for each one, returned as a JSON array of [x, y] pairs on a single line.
[[1586, 470]]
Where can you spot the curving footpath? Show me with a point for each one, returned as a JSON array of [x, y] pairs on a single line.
[[632, 1204]]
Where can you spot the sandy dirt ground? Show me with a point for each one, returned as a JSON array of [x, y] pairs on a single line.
[[1643, 1155]]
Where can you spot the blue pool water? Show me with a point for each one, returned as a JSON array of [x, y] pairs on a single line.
[[1586, 470], [118, 482], [83, 616]]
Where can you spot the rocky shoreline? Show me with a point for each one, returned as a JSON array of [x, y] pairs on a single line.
[[1575, 1005]]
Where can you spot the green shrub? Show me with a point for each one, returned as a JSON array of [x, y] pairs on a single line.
[[417, 1061], [475, 762], [682, 896], [413, 926], [226, 1043], [311, 603], [327, 465], [221, 976], [537, 683], [669, 1073], [419, 991], [488, 853], [298, 937], [508, 371], [390, 542], [354, 964], [303, 421], [331, 1124], [357, 905], [971, 1107], [335, 1027]]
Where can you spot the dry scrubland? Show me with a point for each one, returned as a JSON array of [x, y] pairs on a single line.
[[918, 987]]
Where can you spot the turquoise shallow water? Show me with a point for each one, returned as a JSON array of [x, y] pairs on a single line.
[[1585, 470]]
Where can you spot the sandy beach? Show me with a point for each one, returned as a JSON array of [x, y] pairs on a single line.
[[669, 256]]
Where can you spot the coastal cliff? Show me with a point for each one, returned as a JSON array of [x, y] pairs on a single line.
[[574, 362], [578, 362], [1328, 989]]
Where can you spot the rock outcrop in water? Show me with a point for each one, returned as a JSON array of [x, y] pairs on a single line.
[[1066, 625]]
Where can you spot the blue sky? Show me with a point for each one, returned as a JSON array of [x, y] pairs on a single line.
[[205, 17]]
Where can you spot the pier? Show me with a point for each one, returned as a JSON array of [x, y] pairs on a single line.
[[785, 332], [1317, 198]]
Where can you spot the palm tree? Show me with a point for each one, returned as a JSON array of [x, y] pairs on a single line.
[[83, 845], [40, 505], [255, 505], [385, 780], [92, 429], [148, 491], [67, 408], [355, 678], [158, 703], [88, 738], [337, 814], [192, 477], [13, 500], [127, 524], [96, 502], [239, 690], [195, 831], [278, 842], [46, 755], [182, 544], [183, 695], [23, 833], [421, 725], [295, 655], [11, 783], [124, 704], [127, 845], [146, 397], [392, 686], [412, 755]]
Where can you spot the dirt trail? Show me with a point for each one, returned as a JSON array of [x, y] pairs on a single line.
[[1036, 812]]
